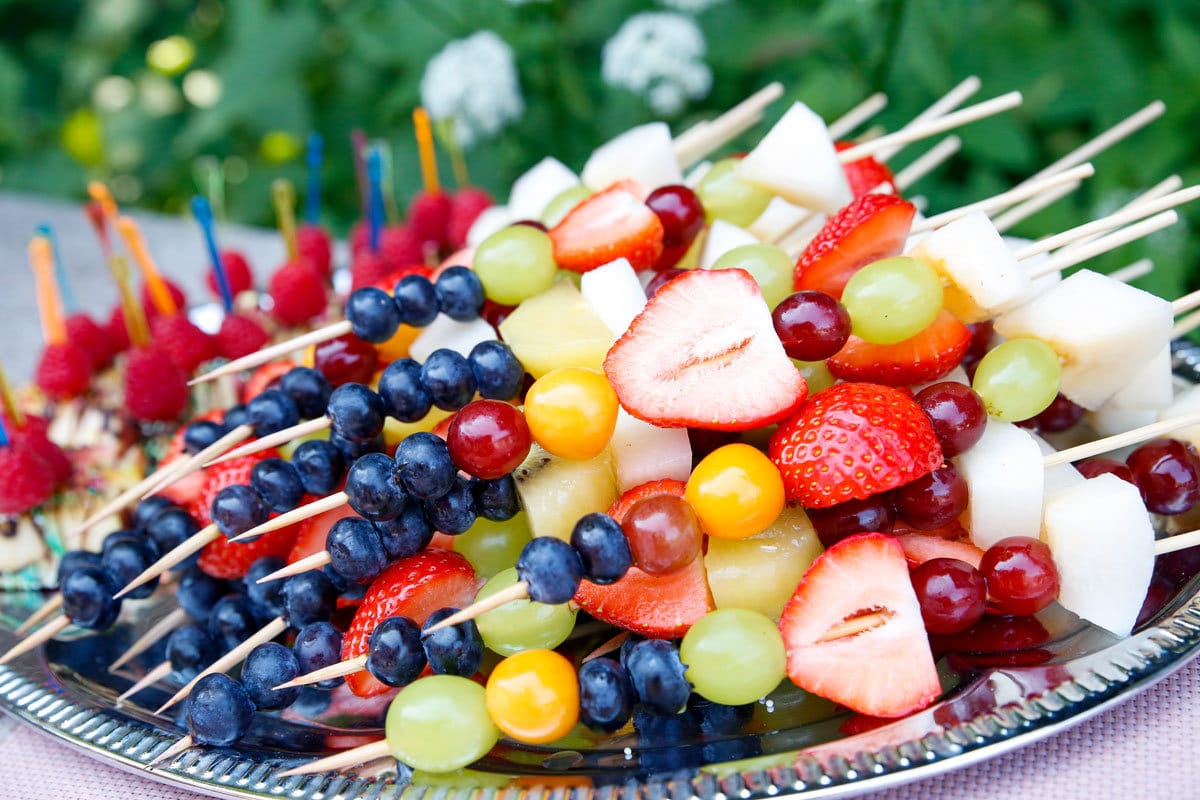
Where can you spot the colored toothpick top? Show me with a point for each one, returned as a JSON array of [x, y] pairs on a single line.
[[375, 205], [95, 215], [70, 306], [202, 211], [101, 195], [312, 187], [9, 399], [135, 243], [41, 259], [429, 173], [283, 197], [135, 316]]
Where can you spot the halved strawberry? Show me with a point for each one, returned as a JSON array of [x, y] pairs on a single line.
[[851, 441], [610, 225], [884, 671], [872, 227], [311, 533], [703, 353], [263, 378], [929, 355], [920, 547], [227, 473], [866, 174], [228, 560], [412, 587]]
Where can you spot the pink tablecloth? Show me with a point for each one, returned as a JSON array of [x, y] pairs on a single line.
[[1145, 748]]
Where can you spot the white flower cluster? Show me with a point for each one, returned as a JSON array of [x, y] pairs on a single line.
[[690, 6], [474, 82], [659, 56]]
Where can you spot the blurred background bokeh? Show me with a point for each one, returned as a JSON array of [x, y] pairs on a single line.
[[161, 98]]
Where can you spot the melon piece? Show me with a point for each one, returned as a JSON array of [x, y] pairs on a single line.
[[1103, 331], [489, 221], [797, 161], [1103, 545], [642, 452], [451, 334], [1152, 387], [1040, 284], [555, 492], [981, 275], [1109, 421], [696, 174], [1004, 476], [614, 293], [761, 572], [540, 184], [722, 237], [644, 154], [1058, 477], [557, 328], [778, 218]]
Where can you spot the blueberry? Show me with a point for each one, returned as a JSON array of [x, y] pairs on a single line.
[[395, 656], [448, 379], [146, 510], [120, 536], [271, 411], [606, 697], [345, 588], [321, 466], [424, 467], [72, 560], [198, 593], [191, 649], [498, 373], [454, 512], [308, 389], [403, 392], [407, 534], [355, 549], [235, 417], [219, 711], [277, 483], [372, 315], [352, 451], [416, 300], [265, 599], [459, 294], [318, 645], [496, 499], [312, 701], [237, 508], [126, 560], [308, 597], [726, 725], [87, 598], [602, 548], [667, 741], [200, 434], [657, 675], [372, 488], [456, 650], [267, 666], [552, 569], [171, 528], [356, 411], [231, 621]]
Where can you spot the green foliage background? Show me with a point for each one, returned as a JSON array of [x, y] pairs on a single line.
[[293, 66]]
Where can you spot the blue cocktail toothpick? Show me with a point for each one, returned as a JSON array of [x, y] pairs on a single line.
[[375, 207], [312, 189], [202, 211]]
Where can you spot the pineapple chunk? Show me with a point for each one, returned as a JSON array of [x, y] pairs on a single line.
[[557, 328], [555, 492]]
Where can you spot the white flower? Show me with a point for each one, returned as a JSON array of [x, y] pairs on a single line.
[[659, 56], [474, 82], [689, 6]]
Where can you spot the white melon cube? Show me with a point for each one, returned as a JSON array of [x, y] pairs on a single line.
[[451, 334], [1039, 285], [778, 218], [956, 375], [696, 174], [643, 452], [1004, 476], [1153, 387], [797, 161], [540, 184], [488, 222], [644, 154], [1109, 421], [1058, 477], [721, 238], [1103, 545], [614, 293]]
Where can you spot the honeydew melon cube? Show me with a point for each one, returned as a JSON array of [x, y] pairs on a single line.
[[488, 222], [643, 452], [1108, 421], [778, 218], [540, 184], [644, 154], [1152, 388], [451, 334], [1005, 484], [614, 293], [557, 328], [797, 161], [1060, 476], [722, 237], [1188, 402]]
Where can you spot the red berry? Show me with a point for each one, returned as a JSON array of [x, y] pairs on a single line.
[[298, 292], [812, 325], [315, 247], [118, 334], [64, 371], [465, 207], [92, 338], [187, 345], [1021, 575], [664, 534], [346, 359], [934, 500], [237, 272], [369, 269], [1168, 474], [957, 414], [156, 389], [428, 216], [400, 246], [28, 480], [682, 216], [660, 280], [1060, 415], [952, 594], [871, 515], [1091, 467], [239, 336], [488, 438], [33, 437], [177, 295]]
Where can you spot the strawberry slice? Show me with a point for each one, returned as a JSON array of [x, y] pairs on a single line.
[[920, 547], [929, 355], [871, 227], [866, 174], [265, 377], [311, 533], [886, 670], [229, 560], [412, 587], [703, 353], [851, 441], [610, 225]]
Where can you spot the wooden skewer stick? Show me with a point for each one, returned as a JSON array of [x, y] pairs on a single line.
[[615, 643], [331, 331], [275, 439], [338, 670], [340, 761], [1021, 211], [1116, 442], [152, 677], [1004, 199], [1060, 261], [37, 638], [46, 610], [298, 514], [1131, 272], [199, 460], [1188, 302], [937, 155], [951, 100], [724, 128], [1172, 183], [518, 591], [306, 564], [193, 544], [155, 632], [1178, 541], [856, 116], [231, 659], [169, 754], [1186, 325]]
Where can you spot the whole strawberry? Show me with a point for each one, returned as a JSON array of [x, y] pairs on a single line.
[[851, 441]]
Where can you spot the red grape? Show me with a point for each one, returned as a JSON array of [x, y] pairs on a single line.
[[346, 359], [664, 534], [488, 438], [1021, 575], [874, 514], [812, 325], [952, 594], [1168, 474], [680, 212], [1091, 467], [933, 500], [957, 413]]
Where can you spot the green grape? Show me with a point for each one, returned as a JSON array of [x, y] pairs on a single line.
[[733, 656], [569, 275], [493, 547], [769, 265], [563, 203], [893, 299], [816, 375], [1018, 379], [515, 263], [440, 723], [728, 197], [521, 624]]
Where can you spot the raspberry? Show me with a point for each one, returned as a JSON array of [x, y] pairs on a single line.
[[186, 345], [299, 293], [93, 339], [239, 336], [64, 371], [314, 246], [29, 481], [428, 215], [400, 246], [237, 272], [148, 299], [155, 388], [49, 453], [465, 207], [370, 269], [118, 334]]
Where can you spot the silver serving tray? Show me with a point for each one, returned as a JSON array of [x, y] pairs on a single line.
[[1007, 685]]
